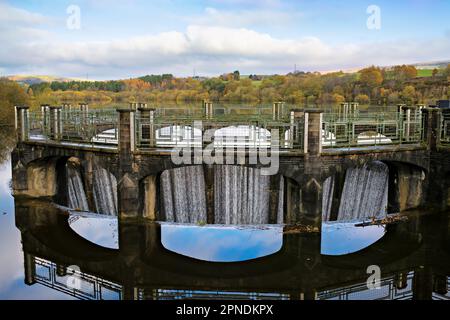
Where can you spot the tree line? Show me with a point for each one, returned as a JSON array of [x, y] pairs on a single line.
[[375, 85]]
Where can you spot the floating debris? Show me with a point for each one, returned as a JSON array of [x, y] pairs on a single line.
[[299, 228], [387, 220]]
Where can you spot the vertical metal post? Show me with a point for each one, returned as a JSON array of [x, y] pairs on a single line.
[[55, 122], [408, 124], [21, 123]]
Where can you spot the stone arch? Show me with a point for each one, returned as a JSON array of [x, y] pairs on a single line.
[[46, 177], [405, 185]]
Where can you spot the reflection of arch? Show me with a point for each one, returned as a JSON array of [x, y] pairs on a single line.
[[178, 136], [157, 256], [395, 244], [51, 228], [214, 244]]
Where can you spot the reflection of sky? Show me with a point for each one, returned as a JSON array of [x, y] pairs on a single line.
[[11, 257], [221, 243], [342, 238], [99, 229]]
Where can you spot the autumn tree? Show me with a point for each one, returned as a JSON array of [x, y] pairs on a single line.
[[11, 94], [404, 72], [447, 71], [371, 77], [409, 94]]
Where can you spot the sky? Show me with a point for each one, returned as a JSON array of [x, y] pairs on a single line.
[[107, 39]]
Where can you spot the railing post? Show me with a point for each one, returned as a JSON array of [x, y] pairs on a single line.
[[432, 127], [126, 132], [313, 132], [55, 123], [208, 109], [277, 110], [84, 110], [22, 125], [30, 269], [128, 185], [45, 111], [294, 135], [407, 119]]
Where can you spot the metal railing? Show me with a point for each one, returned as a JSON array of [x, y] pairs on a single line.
[[371, 129], [387, 291], [222, 132], [91, 127], [445, 129], [88, 286], [180, 294], [257, 130]]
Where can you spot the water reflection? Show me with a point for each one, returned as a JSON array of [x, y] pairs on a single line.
[[339, 238], [99, 229], [222, 243], [170, 261]]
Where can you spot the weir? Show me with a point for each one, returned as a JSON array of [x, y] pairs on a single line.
[[376, 162], [364, 193]]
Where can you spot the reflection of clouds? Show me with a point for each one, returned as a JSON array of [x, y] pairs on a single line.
[[101, 230], [5, 192], [340, 238], [10, 253], [19, 291], [221, 244], [10, 247]]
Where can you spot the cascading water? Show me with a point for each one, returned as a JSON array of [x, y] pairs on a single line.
[[328, 190], [364, 195], [105, 192], [76, 195], [183, 195], [241, 195]]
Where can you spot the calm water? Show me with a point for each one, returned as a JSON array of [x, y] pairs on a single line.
[[166, 261], [48, 252]]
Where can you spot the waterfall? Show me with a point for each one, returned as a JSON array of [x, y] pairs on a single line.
[[183, 196], [105, 192], [241, 195], [328, 190], [364, 195], [76, 195]]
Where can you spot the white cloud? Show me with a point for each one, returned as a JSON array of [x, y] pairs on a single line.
[[245, 18], [9, 14], [210, 49]]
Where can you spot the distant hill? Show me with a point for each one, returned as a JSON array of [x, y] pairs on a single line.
[[34, 79], [432, 65]]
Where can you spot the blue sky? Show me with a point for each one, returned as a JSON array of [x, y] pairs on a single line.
[[121, 39]]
